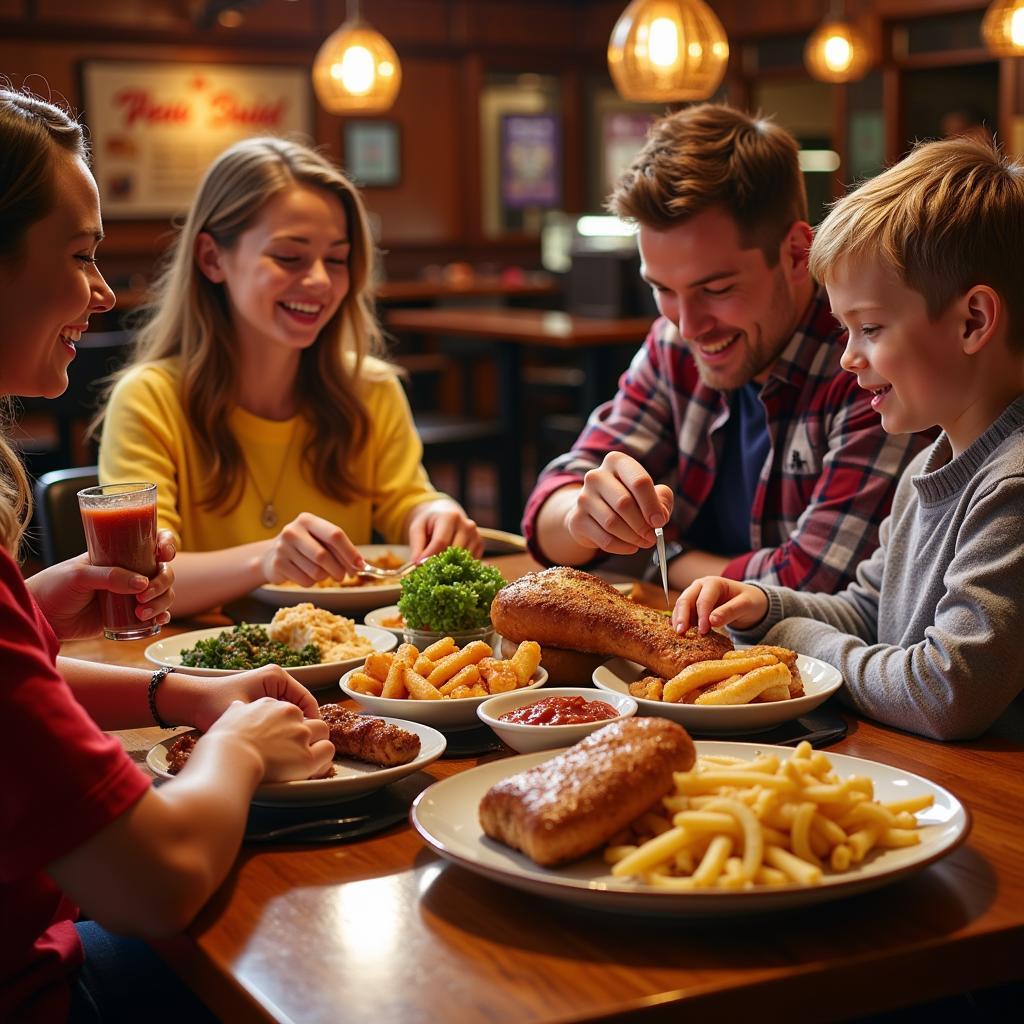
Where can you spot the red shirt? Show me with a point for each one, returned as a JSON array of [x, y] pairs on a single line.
[[61, 781]]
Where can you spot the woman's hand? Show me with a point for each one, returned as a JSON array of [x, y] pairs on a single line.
[[309, 549], [437, 525], [199, 701], [68, 592], [714, 601], [619, 507], [289, 745]]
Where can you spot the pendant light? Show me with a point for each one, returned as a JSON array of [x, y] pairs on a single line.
[[837, 51], [667, 50], [1002, 28], [356, 70]]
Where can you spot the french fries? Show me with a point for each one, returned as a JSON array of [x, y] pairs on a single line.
[[444, 672], [760, 674], [734, 824]]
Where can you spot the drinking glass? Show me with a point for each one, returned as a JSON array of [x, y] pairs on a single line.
[[120, 529]]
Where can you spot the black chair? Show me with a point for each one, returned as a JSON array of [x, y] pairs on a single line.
[[59, 523]]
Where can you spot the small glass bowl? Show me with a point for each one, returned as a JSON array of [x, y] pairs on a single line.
[[421, 639]]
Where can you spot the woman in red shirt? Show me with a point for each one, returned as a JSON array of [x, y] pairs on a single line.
[[81, 823]]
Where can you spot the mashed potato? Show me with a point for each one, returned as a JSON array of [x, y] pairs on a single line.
[[334, 635]]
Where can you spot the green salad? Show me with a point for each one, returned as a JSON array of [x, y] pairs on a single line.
[[246, 647], [449, 592]]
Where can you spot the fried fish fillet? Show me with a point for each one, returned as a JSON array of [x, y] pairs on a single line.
[[364, 738], [567, 807], [568, 608]]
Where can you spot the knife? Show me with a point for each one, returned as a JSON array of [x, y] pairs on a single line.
[[659, 536]]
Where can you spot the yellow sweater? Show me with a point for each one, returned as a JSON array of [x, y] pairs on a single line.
[[146, 436]]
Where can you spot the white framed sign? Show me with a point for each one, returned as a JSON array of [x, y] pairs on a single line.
[[155, 127]]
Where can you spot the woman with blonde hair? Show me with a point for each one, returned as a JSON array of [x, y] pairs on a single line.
[[80, 822], [257, 399]]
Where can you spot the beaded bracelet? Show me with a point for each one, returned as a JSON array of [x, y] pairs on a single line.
[[154, 681]]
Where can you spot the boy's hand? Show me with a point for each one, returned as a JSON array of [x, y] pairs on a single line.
[[713, 601], [618, 507]]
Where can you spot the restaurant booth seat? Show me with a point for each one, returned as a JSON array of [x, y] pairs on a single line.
[[57, 519]]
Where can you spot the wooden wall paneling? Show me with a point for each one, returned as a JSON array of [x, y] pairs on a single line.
[[166, 15], [575, 167], [425, 206], [12, 10], [919, 8], [421, 23], [840, 117], [892, 113], [472, 81], [524, 24]]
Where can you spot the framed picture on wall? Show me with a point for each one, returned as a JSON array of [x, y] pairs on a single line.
[[373, 153], [531, 160], [156, 126]]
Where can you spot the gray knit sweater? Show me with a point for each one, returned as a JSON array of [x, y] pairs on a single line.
[[930, 636]]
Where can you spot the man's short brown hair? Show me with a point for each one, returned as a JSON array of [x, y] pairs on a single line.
[[947, 217], [714, 156]]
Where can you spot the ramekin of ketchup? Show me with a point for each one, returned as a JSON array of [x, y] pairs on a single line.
[[120, 529], [560, 711]]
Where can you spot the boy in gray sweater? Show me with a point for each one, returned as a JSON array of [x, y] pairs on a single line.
[[922, 268]]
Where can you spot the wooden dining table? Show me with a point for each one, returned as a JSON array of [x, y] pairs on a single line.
[[382, 929]]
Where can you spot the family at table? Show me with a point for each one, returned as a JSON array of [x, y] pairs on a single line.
[[829, 429]]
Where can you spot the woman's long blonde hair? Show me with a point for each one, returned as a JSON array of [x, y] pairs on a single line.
[[32, 132], [189, 318]]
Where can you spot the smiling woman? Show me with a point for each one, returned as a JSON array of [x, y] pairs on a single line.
[[116, 847], [257, 399]]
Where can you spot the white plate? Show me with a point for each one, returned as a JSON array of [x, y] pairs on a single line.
[[378, 615], [450, 715], [446, 816], [340, 599], [820, 682], [168, 652], [350, 778]]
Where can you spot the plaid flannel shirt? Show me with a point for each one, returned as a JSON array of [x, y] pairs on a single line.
[[824, 489]]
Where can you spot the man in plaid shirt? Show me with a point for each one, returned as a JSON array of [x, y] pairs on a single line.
[[735, 427]]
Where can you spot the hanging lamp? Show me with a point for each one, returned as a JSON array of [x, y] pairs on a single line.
[[837, 51], [667, 50], [356, 70], [1002, 28]]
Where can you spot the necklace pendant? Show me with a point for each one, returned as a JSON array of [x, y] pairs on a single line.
[[268, 517]]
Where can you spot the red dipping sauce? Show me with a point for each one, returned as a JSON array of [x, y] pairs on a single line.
[[560, 711]]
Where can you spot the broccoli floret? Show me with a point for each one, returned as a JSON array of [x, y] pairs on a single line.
[[449, 592]]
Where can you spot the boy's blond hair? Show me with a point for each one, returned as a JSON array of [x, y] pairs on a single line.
[[947, 217], [709, 156]]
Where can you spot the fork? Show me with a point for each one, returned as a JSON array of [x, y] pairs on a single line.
[[384, 574]]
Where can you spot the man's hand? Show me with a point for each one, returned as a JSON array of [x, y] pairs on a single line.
[[619, 507]]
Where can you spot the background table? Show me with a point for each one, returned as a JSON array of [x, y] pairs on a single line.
[[505, 333], [381, 929]]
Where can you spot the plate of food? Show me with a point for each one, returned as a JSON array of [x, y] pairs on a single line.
[[314, 645], [371, 753], [745, 690], [388, 617], [443, 685], [353, 593], [694, 853]]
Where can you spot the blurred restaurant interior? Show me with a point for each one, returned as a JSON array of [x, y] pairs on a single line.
[[484, 175], [485, 137]]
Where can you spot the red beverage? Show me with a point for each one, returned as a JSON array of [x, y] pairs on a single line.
[[120, 529]]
